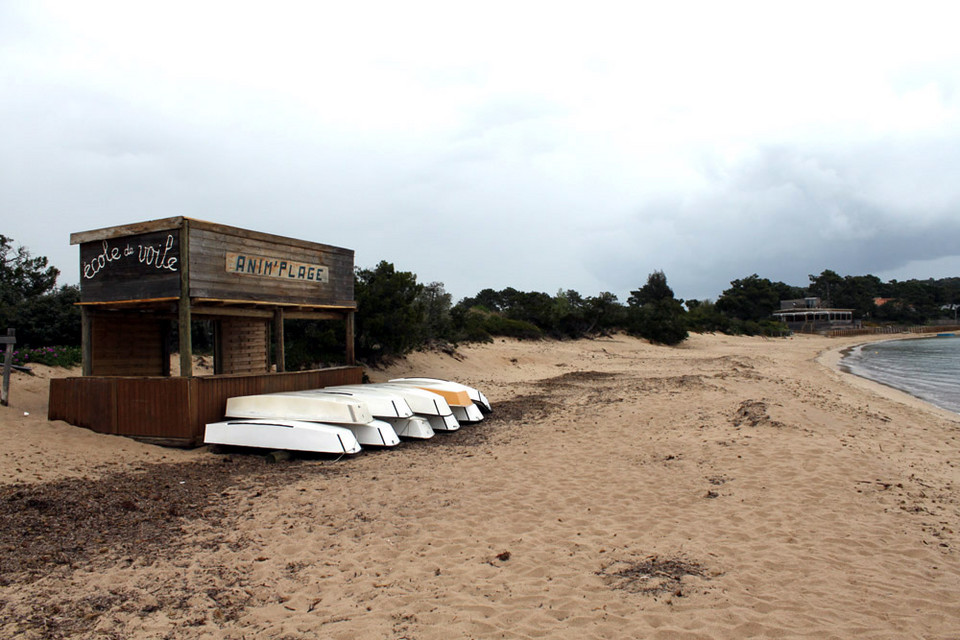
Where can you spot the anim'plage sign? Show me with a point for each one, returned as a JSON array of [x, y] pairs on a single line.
[[270, 267]]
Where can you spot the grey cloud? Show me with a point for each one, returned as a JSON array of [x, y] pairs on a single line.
[[786, 214], [501, 183]]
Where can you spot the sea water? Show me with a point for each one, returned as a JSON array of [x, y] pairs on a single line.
[[928, 368]]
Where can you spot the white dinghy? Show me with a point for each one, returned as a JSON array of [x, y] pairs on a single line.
[[376, 433], [388, 406], [423, 403], [292, 407], [459, 400], [467, 414], [475, 394], [350, 413], [293, 435], [414, 427]]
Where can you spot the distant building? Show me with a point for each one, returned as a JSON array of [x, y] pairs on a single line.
[[801, 303], [808, 315]]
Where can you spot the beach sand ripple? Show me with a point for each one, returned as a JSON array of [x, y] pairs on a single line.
[[728, 488]]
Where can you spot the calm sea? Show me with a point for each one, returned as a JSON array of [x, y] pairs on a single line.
[[928, 368]]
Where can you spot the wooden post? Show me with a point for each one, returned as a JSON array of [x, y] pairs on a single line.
[[217, 347], [351, 356], [165, 349], [184, 320], [278, 340], [9, 340], [86, 342]]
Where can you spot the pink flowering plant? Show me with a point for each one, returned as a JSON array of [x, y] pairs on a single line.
[[50, 356]]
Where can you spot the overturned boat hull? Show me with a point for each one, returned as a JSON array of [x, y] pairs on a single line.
[[292, 435], [469, 413], [289, 406], [475, 394], [452, 396], [381, 403], [415, 427], [443, 423], [459, 400], [422, 402], [349, 413], [389, 406], [376, 433]]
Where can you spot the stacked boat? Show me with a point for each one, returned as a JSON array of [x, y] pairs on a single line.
[[343, 419]]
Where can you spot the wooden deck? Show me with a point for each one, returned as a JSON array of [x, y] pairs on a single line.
[[172, 411]]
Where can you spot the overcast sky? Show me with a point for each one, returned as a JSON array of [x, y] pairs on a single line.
[[538, 145]]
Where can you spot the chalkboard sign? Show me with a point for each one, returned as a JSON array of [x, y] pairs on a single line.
[[135, 267], [212, 263]]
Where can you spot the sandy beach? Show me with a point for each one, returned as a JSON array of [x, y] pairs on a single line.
[[731, 487]]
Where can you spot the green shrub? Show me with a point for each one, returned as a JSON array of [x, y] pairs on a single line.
[[660, 322], [479, 325], [703, 317], [654, 314], [313, 344], [50, 356], [500, 326], [391, 319], [770, 328]]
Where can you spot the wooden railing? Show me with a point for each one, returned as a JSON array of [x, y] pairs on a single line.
[[869, 331]]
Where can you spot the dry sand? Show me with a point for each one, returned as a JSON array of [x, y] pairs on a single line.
[[728, 488]]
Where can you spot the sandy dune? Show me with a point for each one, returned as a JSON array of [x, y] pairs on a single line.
[[729, 488]]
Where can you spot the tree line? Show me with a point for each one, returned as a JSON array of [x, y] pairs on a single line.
[[43, 313], [397, 314]]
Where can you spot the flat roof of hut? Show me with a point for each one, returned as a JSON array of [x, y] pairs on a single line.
[[139, 282]]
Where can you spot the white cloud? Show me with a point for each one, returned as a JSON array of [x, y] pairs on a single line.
[[537, 145]]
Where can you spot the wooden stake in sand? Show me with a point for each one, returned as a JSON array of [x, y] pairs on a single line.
[[9, 340]]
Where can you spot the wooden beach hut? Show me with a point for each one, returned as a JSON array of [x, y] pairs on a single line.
[[142, 283]]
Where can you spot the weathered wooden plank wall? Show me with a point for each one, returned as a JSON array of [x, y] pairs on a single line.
[[143, 262], [91, 404], [128, 345], [213, 246], [171, 410], [244, 345], [154, 408]]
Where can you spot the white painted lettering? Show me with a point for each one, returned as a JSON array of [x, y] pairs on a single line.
[[158, 257]]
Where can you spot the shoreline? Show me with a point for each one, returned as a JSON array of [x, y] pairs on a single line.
[[881, 387]]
